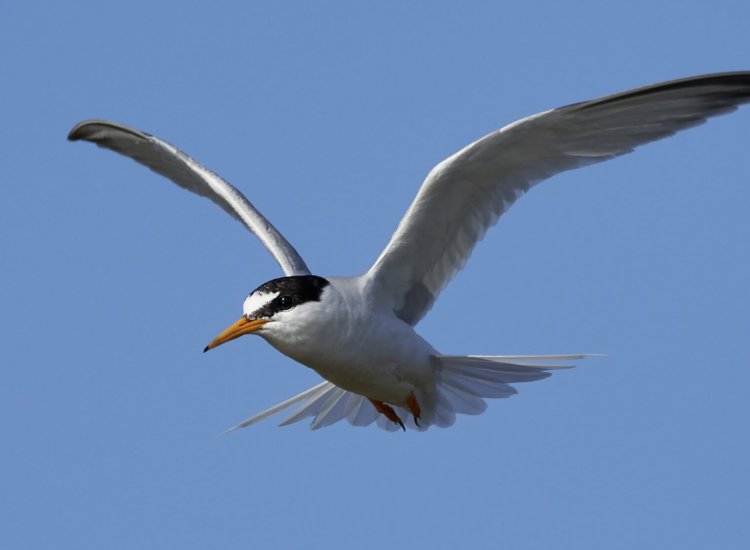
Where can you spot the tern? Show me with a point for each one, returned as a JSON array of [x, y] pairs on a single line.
[[358, 332]]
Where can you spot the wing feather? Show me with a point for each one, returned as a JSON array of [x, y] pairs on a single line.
[[466, 194], [310, 394], [168, 161]]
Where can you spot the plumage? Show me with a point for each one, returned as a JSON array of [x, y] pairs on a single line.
[[358, 332], [168, 161]]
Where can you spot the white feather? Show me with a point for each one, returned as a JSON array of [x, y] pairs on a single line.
[[167, 160], [466, 193]]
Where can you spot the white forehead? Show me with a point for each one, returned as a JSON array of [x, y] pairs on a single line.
[[257, 300]]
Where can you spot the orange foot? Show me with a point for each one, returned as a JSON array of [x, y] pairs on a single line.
[[388, 411], [414, 407]]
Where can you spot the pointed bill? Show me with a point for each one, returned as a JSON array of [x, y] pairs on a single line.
[[243, 326]]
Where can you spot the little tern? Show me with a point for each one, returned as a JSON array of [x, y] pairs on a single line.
[[358, 332]]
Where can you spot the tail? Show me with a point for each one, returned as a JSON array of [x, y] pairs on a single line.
[[462, 384], [464, 381]]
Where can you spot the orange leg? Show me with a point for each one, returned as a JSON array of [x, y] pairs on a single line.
[[414, 407], [388, 411]]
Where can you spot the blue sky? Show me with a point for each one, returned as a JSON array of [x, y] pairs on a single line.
[[328, 115]]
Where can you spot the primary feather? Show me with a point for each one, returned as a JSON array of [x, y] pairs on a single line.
[[466, 194], [167, 160]]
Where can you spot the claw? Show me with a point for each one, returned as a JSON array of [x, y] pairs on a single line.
[[414, 407], [388, 412]]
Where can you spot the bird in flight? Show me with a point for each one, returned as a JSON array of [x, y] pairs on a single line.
[[358, 332]]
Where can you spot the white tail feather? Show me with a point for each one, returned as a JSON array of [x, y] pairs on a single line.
[[462, 384], [313, 405], [313, 393]]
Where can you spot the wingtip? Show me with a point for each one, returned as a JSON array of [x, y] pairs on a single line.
[[95, 128], [75, 133], [79, 131]]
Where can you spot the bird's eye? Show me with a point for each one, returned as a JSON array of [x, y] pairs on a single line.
[[286, 302]]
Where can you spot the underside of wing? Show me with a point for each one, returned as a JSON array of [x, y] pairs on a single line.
[[167, 160], [466, 194]]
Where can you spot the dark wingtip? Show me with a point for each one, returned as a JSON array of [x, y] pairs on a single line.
[[75, 134], [82, 130], [206, 349], [91, 130]]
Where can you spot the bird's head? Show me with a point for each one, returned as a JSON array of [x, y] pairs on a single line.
[[276, 301]]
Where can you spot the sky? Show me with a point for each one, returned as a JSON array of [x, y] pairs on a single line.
[[328, 115]]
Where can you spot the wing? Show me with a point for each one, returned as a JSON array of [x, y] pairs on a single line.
[[466, 194], [167, 160]]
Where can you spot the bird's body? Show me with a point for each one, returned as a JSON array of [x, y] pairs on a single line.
[[358, 332], [352, 328]]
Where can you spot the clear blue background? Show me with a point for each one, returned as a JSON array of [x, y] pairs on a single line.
[[328, 115]]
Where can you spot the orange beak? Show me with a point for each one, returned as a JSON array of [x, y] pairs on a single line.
[[243, 326]]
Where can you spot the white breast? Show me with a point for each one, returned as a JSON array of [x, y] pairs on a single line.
[[353, 344]]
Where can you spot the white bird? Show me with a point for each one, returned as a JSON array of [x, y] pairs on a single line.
[[358, 332]]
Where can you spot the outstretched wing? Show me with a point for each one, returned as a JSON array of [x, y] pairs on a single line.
[[167, 160], [466, 194]]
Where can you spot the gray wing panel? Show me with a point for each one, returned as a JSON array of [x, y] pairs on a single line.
[[466, 194], [170, 162]]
